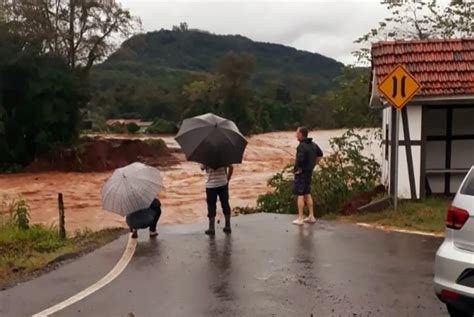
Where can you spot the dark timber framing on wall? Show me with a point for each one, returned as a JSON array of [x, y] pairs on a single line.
[[449, 146], [448, 138], [407, 142], [423, 179], [409, 155], [447, 171]]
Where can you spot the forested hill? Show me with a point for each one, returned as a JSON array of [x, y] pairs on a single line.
[[200, 51], [167, 76]]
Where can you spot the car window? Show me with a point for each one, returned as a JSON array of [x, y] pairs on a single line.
[[468, 187]]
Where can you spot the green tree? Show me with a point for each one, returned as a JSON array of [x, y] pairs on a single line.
[[320, 112], [350, 103], [80, 31], [236, 70], [278, 105], [123, 100], [40, 100], [457, 20], [182, 27], [132, 128], [419, 19], [161, 126], [203, 96], [226, 93]]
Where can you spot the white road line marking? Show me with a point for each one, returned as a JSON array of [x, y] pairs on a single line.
[[116, 271], [392, 229]]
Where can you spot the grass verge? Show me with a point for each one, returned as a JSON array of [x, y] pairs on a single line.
[[24, 252], [428, 216]]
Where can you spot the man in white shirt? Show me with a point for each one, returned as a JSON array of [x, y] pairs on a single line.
[[217, 185]]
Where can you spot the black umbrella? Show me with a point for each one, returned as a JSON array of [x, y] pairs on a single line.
[[211, 140]]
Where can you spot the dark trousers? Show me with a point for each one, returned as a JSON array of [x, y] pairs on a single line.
[[155, 219], [211, 197], [144, 218]]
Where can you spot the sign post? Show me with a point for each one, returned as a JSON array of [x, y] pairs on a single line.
[[399, 87], [395, 181]]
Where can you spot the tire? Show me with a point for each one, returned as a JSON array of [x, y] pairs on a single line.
[[454, 312]]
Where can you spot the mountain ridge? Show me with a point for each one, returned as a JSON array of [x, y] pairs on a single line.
[[199, 51]]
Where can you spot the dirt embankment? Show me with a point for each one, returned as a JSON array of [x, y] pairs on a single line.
[[96, 154]]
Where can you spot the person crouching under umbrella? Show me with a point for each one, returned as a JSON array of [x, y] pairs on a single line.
[[217, 185], [145, 218]]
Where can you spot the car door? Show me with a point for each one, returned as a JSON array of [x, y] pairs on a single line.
[[462, 214]]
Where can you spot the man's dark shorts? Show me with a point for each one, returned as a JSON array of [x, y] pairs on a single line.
[[302, 185]]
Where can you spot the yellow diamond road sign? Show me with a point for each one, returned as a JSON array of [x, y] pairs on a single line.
[[399, 87]]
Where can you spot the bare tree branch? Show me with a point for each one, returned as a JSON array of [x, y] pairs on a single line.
[[419, 19], [80, 31]]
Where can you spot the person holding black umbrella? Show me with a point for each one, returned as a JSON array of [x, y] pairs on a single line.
[[217, 186], [217, 144]]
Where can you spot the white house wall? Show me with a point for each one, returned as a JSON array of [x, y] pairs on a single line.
[[414, 120], [414, 114], [404, 191]]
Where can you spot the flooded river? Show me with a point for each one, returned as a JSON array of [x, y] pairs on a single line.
[[183, 198]]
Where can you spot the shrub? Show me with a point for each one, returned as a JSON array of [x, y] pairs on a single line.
[[100, 127], [158, 144], [161, 126], [18, 210], [99, 124], [343, 174], [50, 242], [132, 128], [244, 210], [118, 128], [12, 169], [280, 200]]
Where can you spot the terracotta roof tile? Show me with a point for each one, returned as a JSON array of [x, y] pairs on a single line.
[[443, 67]]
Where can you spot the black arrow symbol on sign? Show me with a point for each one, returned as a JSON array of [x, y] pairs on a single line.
[[404, 79], [395, 86]]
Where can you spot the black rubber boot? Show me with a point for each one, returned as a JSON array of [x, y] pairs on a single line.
[[211, 231], [227, 228]]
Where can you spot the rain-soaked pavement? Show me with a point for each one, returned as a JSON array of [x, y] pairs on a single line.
[[267, 267]]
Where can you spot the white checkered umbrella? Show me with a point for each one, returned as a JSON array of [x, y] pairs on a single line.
[[131, 188]]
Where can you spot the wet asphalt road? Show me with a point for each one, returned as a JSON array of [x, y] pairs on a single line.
[[268, 267]]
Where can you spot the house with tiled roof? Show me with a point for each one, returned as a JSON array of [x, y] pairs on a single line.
[[436, 130]]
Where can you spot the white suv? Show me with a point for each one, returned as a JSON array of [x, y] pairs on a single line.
[[454, 268]]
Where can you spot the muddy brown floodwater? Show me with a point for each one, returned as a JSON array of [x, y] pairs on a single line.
[[183, 198]]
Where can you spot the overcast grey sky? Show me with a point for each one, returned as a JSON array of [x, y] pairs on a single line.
[[327, 27]]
